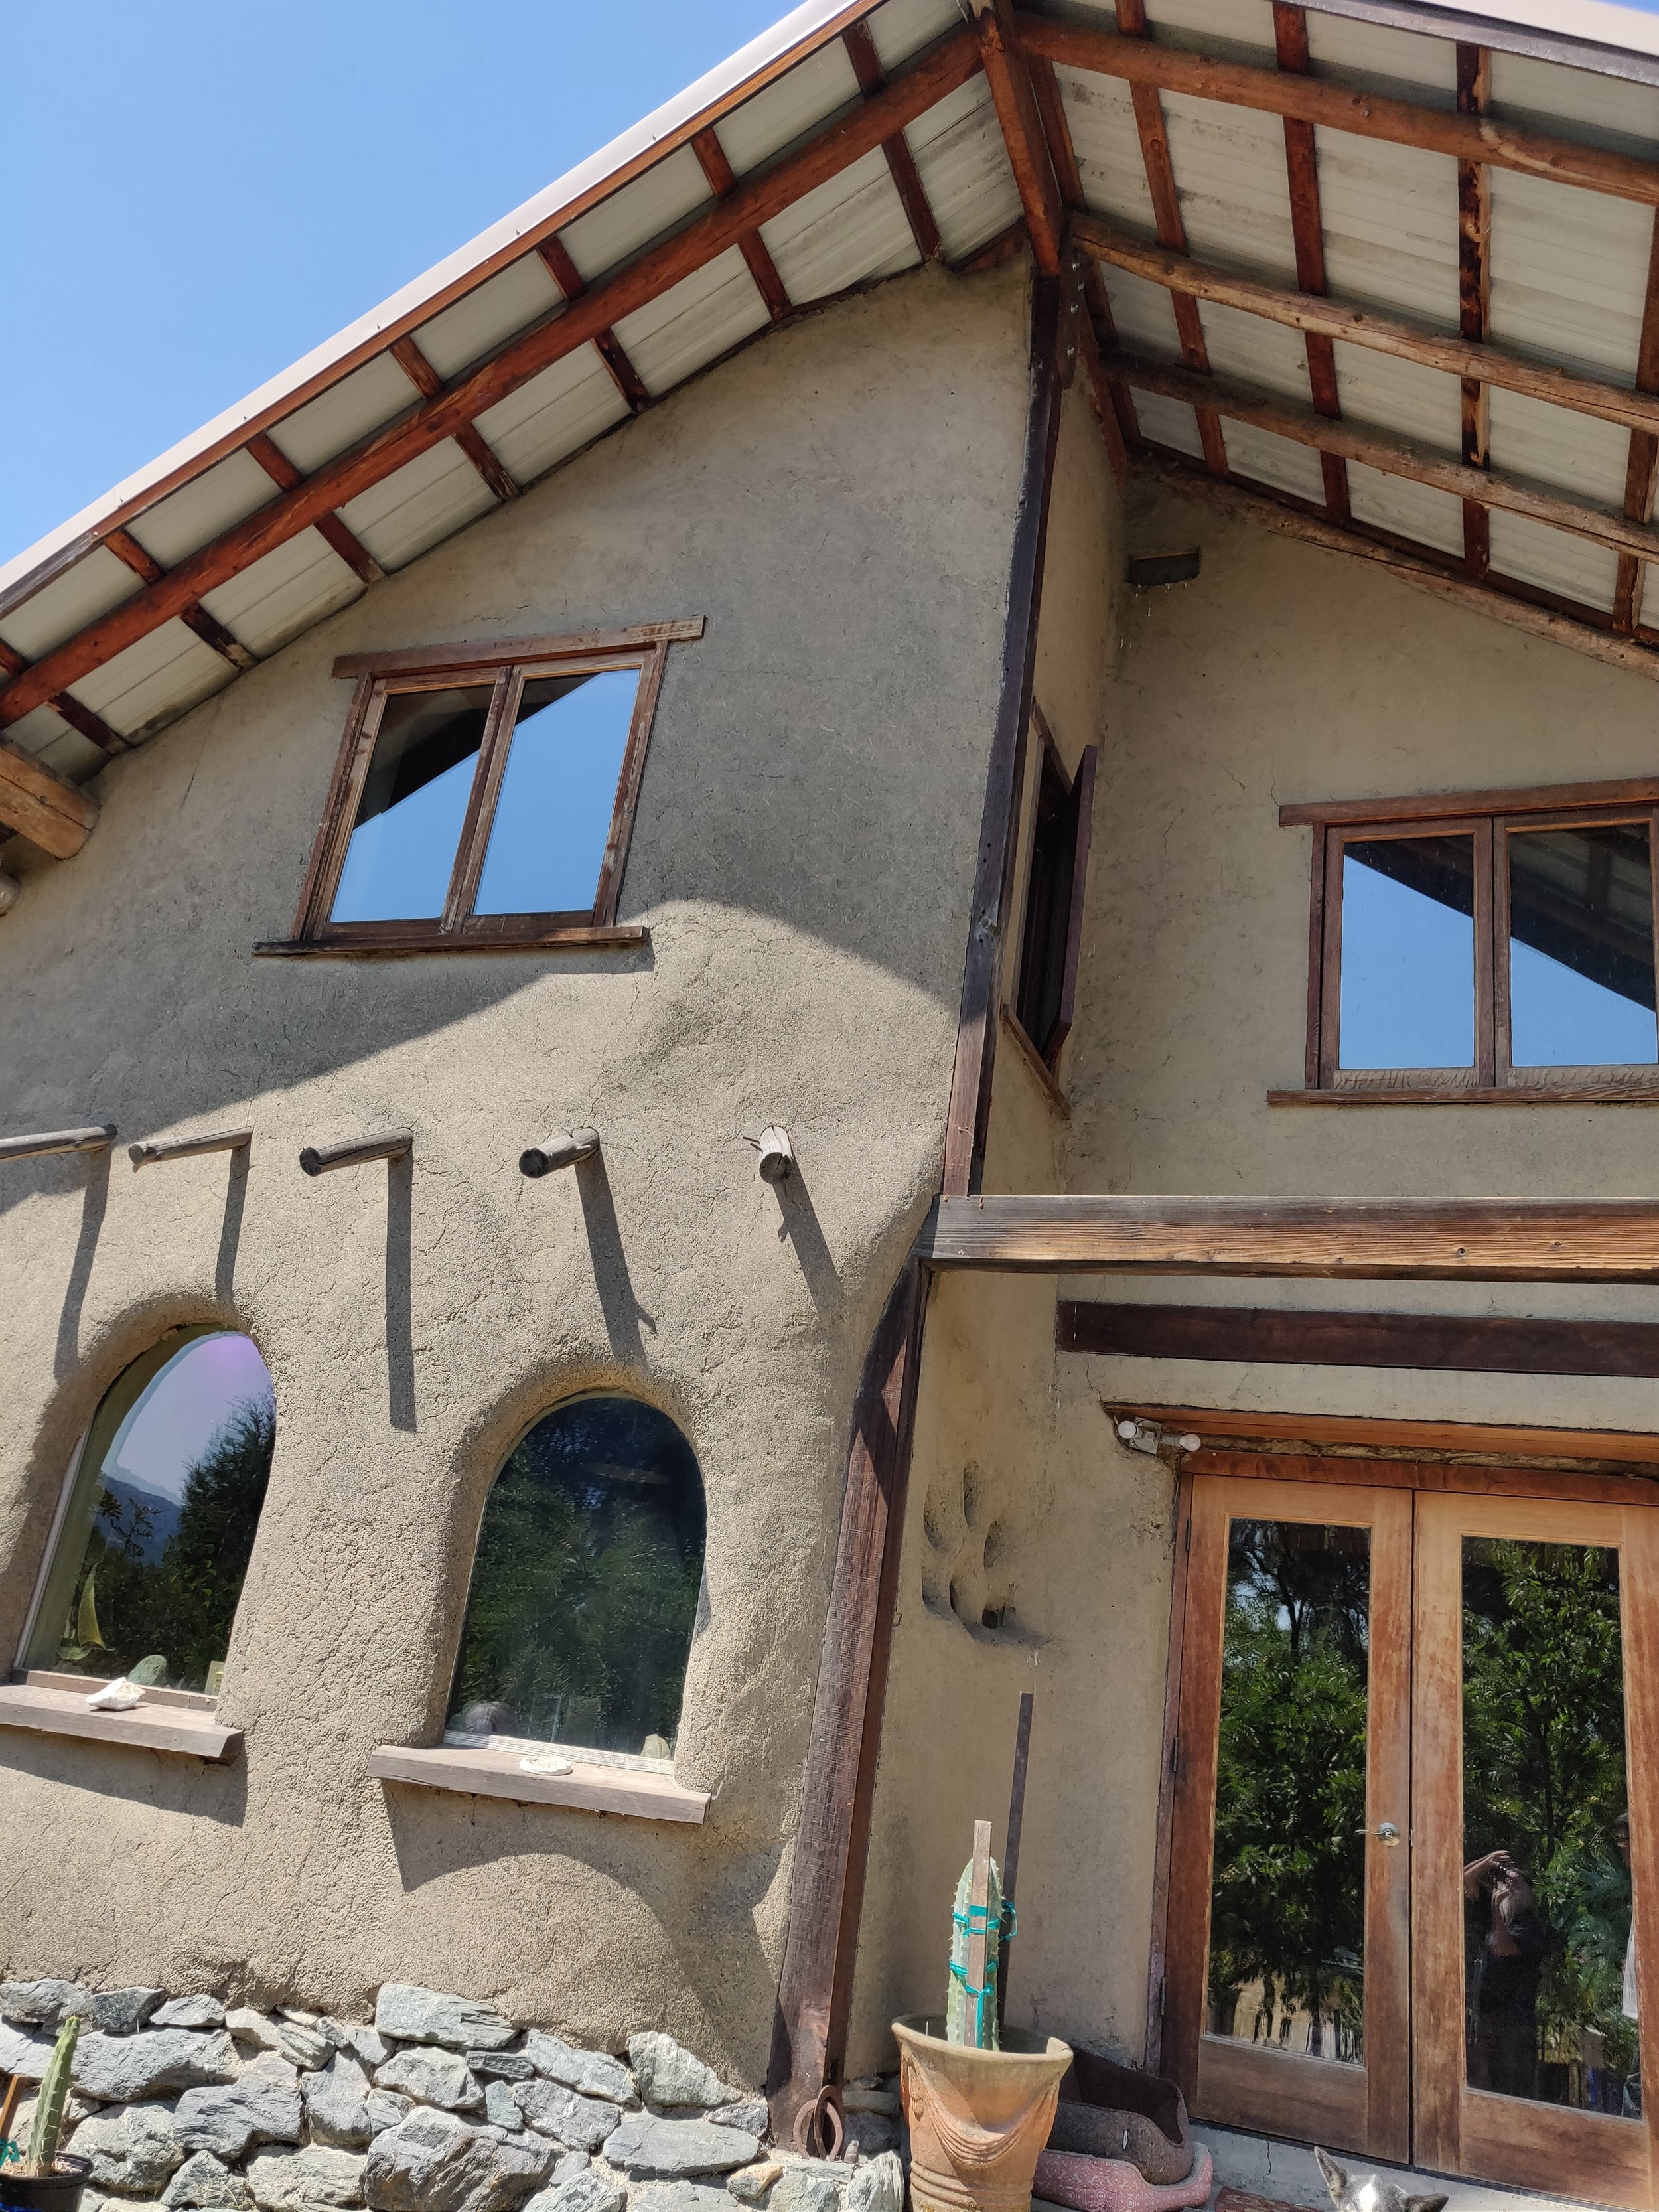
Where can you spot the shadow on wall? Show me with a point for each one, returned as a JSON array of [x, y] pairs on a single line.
[[193, 1789]]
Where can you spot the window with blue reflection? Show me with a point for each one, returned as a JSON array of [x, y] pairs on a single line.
[[402, 847], [1581, 947], [553, 816], [1407, 953]]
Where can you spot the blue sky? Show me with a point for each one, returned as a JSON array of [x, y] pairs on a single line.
[[196, 192]]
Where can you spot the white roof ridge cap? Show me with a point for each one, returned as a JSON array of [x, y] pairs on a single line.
[[1595, 23]]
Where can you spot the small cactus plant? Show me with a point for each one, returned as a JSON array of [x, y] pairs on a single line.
[[50, 2106]]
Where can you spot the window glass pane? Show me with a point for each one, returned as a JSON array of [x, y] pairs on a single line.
[[402, 852], [553, 817], [155, 1540], [584, 1590], [1581, 947], [1287, 1922], [1408, 953], [1549, 1952]]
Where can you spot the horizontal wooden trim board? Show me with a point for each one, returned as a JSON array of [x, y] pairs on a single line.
[[623, 938], [1550, 1094], [481, 1773], [492, 652], [52, 813], [1486, 1344], [1400, 1439], [1641, 791], [147, 1728], [1487, 1239]]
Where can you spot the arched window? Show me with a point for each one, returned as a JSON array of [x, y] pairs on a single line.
[[586, 1586], [154, 1531]]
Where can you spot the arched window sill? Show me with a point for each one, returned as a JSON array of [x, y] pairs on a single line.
[[176, 1728], [480, 1773]]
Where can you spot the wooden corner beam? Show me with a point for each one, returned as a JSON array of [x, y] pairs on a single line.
[[48, 810], [1009, 77], [1474, 299], [1308, 236], [901, 161]]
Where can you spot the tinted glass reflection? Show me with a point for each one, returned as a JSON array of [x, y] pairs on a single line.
[[402, 852], [1581, 947], [1407, 952], [1287, 1921], [553, 817], [1549, 1950], [586, 1586]]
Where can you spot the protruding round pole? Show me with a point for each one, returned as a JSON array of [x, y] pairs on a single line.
[[355, 1151], [565, 1148], [188, 1148], [97, 1139], [777, 1154]]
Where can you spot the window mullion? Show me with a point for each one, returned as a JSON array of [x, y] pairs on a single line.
[[481, 804], [1492, 1004]]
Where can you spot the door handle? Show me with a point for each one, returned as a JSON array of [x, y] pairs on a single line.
[[1386, 1832]]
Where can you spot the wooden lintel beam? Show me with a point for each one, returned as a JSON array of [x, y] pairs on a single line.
[[951, 62], [329, 528], [468, 436], [1642, 468], [1378, 331], [1006, 73], [127, 549], [1399, 457], [1308, 236], [901, 161], [722, 181], [1500, 1240], [1337, 107], [48, 810], [555, 258], [1474, 297]]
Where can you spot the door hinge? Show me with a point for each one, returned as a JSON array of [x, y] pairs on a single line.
[[1187, 1544]]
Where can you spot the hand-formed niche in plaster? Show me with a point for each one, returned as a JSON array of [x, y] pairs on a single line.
[[970, 1522]]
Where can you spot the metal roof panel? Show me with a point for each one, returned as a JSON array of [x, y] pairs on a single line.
[[659, 201], [555, 415], [92, 588], [1415, 510], [964, 166], [283, 594], [1101, 118], [358, 405], [795, 104], [1537, 555], [438, 492], [1232, 183], [851, 228], [163, 675], [486, 318], [1274, 460], [231, 489], [1569, 271], [901, 28], [1390, 225], [1577, 454], [696, 321]]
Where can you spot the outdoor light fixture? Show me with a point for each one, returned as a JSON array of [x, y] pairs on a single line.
[[1147, 1437]]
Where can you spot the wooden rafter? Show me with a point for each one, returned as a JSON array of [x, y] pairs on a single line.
[[1008, 75], [901, 161], [127, 549], [1308, 233], [940, 70], [329, 528], [757, 255], [92, 727], [1642, 471], [468, 436], [555, 257], [1474, 297]]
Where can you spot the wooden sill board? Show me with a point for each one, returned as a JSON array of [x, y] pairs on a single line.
[[625, 938], [1558, 1094], [1370, 1433], [478, 1773], [150, 1727]]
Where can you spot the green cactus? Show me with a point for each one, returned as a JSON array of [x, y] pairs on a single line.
[[51, 2102], [970, 2013]]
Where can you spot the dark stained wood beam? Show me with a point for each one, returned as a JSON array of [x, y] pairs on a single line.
[[1495, 1240], [92, 727], [468, 436], [1474, 297], [1336, 107], [757, 254], [1007, 74], [901, 161], [339, 535], [43, 806], [1290, 1336], [1386, 1443], [951, 62], [12, 662], [1642, 470], [127, 549], [1379, 332], [556, 256], [1308, 235]]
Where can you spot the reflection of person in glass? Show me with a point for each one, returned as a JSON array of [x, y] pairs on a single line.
[[1504, 1999]]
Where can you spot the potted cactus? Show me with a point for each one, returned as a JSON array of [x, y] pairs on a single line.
[[41, 2181]]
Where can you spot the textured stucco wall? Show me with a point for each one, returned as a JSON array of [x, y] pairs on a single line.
[[802, 855]]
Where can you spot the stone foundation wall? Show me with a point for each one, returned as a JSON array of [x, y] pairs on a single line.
[[441, 2104]]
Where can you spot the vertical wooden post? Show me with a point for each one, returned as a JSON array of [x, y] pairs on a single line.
[[979, 1907], [1010, 1846]]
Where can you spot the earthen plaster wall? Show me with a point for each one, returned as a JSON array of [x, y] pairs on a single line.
[[802, 856]]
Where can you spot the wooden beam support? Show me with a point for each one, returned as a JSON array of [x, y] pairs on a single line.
[[127, 549], [757, 255], [1486, 1344], [901, 161], [92, 727], [1308, 235], [1365, 326], [1423, 568], [48, 810], [1398, 457], [1642, 470], [555, 257], [951, 62], [1474, 298], [1493, 1240], [329, 527], [12, 662], [1386, 1443], [1336, 107], [1006, 72], [468, 436]]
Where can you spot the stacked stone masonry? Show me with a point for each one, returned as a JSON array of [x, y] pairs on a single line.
[[442, 2104]]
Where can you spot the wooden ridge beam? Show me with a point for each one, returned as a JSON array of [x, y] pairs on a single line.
[[555, 258], [329, 527], [1498, 1240], [498, 479], [1308, 235], [1336, 107], [1007, 73], [939, 70], [901, 161], [1642, 469], [721, 181], [1474, 298], [1397, 457], [212, 632], [47, 809], [1378, 332], [1423, 568]]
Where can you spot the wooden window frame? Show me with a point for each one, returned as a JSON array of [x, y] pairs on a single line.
[[507, 664], [1491, 818], [1045, 1052]]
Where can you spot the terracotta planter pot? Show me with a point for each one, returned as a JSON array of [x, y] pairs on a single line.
[[57, 2192], [978, 2118]]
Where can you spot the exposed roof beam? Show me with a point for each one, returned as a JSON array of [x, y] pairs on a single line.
[[1335, 108], [50, 811], [1642, 470], [1396, 457], [901, 161], [1474, 297], [556, 258], [92, 727], [1423, 571], [335, 533], [1006, 73], [1366, 326], [468, 436], [127, 549], [1308, 235], [757, 255], [939, 70]]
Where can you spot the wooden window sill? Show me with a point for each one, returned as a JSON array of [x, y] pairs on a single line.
[[592, 939], [1560, 1094], [1039, 1066], [482, 1774], [151, 1726]]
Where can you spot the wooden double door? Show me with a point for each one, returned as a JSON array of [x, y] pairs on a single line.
[[1411, 1906]]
